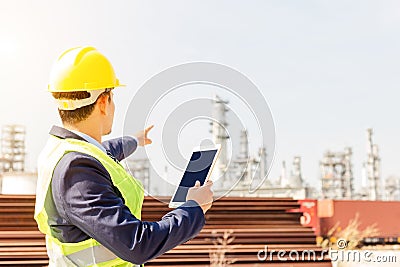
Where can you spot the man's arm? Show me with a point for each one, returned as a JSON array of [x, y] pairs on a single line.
[[121, 147], [84, 195]]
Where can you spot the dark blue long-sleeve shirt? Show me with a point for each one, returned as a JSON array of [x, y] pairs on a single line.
[[89, 206]]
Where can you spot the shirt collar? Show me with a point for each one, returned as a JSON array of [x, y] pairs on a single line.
[[90, 140]]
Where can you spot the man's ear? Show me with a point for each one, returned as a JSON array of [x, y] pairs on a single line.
[[102, 103]]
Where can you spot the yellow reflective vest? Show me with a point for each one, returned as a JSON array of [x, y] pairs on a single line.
[[88, 252]]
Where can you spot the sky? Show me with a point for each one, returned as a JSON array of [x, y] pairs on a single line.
[[328, 69]]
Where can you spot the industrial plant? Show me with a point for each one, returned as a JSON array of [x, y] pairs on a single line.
[[336, 175]]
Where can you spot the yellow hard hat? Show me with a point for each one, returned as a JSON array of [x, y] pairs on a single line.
[[82, 69]]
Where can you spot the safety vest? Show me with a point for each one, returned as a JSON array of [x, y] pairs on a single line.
[[88, 252]]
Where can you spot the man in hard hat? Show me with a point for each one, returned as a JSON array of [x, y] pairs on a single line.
[[87, 205]]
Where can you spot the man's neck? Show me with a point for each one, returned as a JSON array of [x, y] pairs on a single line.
[[84, 129]]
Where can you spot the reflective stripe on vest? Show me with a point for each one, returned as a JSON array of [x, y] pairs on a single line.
[[88, 252], [102, 257], [83, 257]]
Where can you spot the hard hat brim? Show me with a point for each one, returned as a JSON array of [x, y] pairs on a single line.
[[52, 90]]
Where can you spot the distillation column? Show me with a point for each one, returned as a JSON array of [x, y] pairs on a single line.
[[220, 136], [373, 168]]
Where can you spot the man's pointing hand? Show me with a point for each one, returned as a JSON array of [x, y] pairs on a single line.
[[142, 136]]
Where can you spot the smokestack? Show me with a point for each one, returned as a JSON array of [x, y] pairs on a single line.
[[263, 162], [244, 145], [284, 181], [297, 178]]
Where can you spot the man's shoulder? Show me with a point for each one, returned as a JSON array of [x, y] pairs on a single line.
[[75, 158], [79, 172], [76, 164]]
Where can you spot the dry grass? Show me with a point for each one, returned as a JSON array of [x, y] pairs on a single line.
[[351, 233], [221, 247]]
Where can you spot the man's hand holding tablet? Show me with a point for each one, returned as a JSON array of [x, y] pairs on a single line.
[[203, 195], [195, 184]]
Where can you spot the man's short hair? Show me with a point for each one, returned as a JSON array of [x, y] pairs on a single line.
[[79, 114]]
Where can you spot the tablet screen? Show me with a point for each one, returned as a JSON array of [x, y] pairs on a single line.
[[197, 170]]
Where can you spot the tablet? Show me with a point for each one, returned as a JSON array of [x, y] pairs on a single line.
[[199, 169]]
